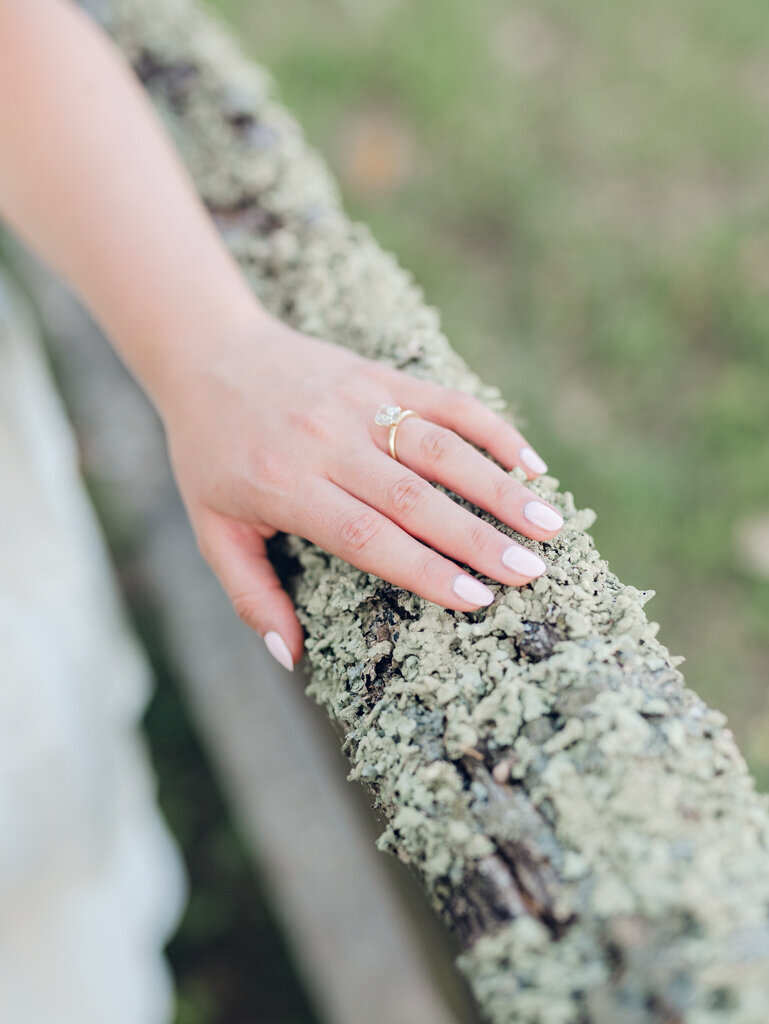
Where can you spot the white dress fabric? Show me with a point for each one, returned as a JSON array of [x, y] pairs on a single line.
[[91, 884]]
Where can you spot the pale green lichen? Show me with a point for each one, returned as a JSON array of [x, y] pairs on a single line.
[[545, 750]]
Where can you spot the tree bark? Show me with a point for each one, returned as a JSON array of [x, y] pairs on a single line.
[[581, 820]]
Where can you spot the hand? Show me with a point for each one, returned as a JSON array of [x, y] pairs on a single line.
[[276, 432], [268, 430]]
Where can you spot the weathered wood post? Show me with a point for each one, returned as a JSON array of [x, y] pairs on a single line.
[[580, 819]]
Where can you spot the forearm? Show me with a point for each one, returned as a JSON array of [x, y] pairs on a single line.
[[89, 179]]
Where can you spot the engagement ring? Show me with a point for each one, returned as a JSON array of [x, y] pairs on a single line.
[[392, 416]]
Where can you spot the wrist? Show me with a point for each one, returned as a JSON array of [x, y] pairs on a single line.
[[175, 353]]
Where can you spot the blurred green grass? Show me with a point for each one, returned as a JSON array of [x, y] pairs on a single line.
[[583, 191]]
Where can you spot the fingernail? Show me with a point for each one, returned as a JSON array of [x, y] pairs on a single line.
[[472, 590], [530, 458], [543, 516], [276, 645], [523, 561]]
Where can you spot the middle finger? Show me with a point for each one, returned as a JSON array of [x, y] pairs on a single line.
[[427, 514]]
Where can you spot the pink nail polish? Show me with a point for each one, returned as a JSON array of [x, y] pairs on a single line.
[[521, 560], [472, 591], [532, 461], [543, 516], [278, 648]]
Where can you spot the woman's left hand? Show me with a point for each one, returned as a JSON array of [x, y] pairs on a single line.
[[274, 431]]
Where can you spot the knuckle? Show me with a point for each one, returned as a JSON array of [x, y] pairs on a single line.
[[246, 608], [360, 387], [438, 444], [270, 467], [348, 391], [317, 425], [502, 492], [376, 375], [480, 536], [431, 570], [358, 532], [406, 494], [269, 473]]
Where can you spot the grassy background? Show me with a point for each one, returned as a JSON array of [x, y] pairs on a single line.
[[582, 190]]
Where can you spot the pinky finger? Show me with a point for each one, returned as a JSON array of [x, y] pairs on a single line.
[[237, 554]]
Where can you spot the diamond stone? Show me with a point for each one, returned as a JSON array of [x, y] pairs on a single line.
[[387, 415]]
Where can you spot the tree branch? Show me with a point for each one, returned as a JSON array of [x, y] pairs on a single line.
[[584, 823]]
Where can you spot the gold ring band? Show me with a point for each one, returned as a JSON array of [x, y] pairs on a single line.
[[394, 428], [391, 416]]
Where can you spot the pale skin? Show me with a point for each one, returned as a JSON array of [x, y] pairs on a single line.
[[268, 429]]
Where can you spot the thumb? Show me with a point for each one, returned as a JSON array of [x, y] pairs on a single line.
[[238, 556]]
